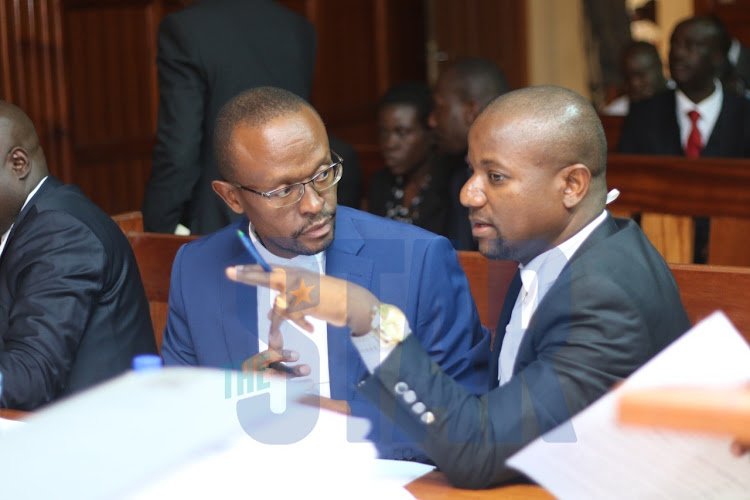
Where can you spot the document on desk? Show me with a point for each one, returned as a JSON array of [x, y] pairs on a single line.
[[193, 433], [608, 460], [7, 425]]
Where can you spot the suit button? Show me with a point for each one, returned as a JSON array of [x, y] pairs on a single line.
[[410, 397], [418, 407], [427, 417], [401, 388]]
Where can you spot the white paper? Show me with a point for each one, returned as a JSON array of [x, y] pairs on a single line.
[[177, 434], [7, 425], [611, 461]]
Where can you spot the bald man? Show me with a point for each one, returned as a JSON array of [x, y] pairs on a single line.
[[592, 301], [73, 311]]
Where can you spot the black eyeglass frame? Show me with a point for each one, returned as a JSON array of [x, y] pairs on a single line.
[[268, 195]]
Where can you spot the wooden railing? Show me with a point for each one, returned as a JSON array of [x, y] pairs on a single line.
[[684, 188]]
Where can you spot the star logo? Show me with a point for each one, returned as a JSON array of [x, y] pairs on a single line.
[[302, 293]]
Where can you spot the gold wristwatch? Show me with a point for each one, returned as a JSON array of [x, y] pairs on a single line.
[[389, 324]]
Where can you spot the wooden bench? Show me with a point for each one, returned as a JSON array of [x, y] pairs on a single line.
[[707, 187], [129, 221], [612, 129], [703, 289], [155, 254]]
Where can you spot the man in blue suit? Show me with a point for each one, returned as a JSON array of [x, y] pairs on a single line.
[[277, 169]]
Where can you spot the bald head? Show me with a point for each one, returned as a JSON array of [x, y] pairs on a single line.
[[23, 162], [16, 128], [559, 123], [538, 160]]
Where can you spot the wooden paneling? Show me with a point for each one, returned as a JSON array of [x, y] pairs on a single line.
[[33, 74], [676, 185], [735, 14], [493, 29], [110, 53]]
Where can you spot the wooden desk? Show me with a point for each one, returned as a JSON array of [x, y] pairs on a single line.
[[435, 486], [13, 414]]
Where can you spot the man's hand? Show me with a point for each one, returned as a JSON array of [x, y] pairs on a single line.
[[340, 303], [275, 354]]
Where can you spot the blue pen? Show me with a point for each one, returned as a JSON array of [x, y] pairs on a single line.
[[252, 250]]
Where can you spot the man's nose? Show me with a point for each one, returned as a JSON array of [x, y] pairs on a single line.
[[472, 194], [312, 202]]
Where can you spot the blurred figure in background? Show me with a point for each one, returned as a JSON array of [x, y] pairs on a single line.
[[409, 189], [462, 91], [643, 74]]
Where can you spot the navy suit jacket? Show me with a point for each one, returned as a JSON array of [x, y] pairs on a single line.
[[73, 311], [212, 321], [613, 307], [651, 128]]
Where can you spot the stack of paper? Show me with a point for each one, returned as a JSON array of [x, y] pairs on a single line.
[[612, 461]]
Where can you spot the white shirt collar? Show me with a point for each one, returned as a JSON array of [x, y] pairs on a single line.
[[709, 110], [4, 237], [546, 267]]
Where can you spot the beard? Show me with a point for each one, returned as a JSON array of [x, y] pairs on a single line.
[[297, 247], [522, 251]]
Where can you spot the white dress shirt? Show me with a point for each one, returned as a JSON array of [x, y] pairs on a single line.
[[537, 277], [4, 237], [709, 109], [312, 347]]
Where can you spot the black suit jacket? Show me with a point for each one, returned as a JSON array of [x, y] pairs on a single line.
[[207, 54], [613, 307], [651, 128], [73, 311]]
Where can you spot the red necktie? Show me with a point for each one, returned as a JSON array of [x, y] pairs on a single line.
[[694, 142]]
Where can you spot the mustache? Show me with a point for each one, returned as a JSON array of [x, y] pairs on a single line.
[[321, 217]]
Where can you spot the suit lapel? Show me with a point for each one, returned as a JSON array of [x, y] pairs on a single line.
[[510, 301], [239, 314], [672, 141], [343, 261], [50, 184], [604, 231], [719, 143]]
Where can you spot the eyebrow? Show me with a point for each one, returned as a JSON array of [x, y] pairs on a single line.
[[288, 182]]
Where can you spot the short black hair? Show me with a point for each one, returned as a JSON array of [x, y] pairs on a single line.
[[414, 94], [253, 108]]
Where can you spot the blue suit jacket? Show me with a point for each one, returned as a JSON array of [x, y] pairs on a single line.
[[213, 321]]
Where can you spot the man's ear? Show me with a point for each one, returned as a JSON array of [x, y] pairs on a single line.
[[577, 179], [228, 193], [20, 162]]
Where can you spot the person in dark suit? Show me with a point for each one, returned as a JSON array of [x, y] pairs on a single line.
[[207, 54], [73, 311], [267, 138], [462, 91], [592, 302], [661, 125], [698, 119]]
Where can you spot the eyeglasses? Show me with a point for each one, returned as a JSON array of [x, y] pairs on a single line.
[[291, 194]]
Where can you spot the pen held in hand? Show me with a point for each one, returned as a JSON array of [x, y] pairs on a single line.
[[252, 250]]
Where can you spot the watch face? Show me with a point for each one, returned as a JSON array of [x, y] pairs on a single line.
[[393, 326]]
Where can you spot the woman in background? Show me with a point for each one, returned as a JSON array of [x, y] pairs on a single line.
[[409, 189]]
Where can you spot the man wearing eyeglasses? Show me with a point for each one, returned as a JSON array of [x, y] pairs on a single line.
[[278, 170]]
